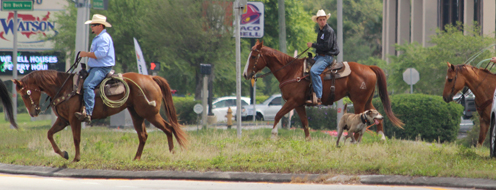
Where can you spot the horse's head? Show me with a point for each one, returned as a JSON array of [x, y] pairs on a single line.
[[30, 95], [454, 83], [255, 62]]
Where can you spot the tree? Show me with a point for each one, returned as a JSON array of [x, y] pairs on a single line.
[[450, 45]]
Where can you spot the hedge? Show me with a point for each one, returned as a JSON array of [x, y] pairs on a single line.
[[427, 116], [184, 109]]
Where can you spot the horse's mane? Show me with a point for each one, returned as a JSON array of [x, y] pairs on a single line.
[[280, 56], [45, 78], [466, 67]]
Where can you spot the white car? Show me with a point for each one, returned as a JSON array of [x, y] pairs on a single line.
[[220, 106], [265, 111], [492, 129]]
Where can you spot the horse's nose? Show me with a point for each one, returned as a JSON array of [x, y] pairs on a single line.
[[446, 99]]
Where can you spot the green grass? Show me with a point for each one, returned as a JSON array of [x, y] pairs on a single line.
[[221, 150]]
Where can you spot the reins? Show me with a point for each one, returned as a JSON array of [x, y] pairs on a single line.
[[71, 69], [270, 72]]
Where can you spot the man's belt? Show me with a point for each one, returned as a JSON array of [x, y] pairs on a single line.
[[321, 54]]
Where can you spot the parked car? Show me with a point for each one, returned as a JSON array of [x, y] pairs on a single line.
[[492, 129], [220, 106], [468, 104], [265, 111]]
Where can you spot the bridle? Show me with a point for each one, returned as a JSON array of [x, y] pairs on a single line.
[[270, 72], [454, 83], [37, 108], [256, 62]]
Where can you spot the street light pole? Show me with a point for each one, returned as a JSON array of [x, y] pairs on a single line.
[[340, 46]]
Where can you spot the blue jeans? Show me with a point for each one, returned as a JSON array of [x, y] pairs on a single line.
[[95, 76], [321, 62]]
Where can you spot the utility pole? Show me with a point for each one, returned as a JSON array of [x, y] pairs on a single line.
[[282, 26], [340, 46]]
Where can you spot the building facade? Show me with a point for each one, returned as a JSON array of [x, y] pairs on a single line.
[[406, 21]]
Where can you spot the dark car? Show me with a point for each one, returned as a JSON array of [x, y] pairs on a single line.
[[468, 104]]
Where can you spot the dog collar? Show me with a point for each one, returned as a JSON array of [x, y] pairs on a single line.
[[364, 119]]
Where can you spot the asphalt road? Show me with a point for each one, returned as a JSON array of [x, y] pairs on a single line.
[[78, 174], [21, 182]]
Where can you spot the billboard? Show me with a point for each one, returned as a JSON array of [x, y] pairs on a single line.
[[31, 61], [34, 28], [252, 20]]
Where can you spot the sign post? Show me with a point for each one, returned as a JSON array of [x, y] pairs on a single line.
[[15, 5], [411, 76], [238, 6], [198, 109]]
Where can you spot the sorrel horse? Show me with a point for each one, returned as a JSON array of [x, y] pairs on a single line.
[[7, 103], [155, 88], [481, 82], [359, 86]]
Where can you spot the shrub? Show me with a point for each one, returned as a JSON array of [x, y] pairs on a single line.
[[184, 109], [322, 117], [425, 115]]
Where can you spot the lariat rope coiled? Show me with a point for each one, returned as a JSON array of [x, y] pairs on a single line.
[[118, 103]]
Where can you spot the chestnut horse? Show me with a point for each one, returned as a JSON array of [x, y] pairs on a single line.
[[7, 103], [155, 88], [481, 82], [359, 86]]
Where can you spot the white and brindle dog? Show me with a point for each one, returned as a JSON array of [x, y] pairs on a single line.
[[357, 123]]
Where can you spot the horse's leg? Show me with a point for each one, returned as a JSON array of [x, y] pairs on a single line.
[[139, 126], [56, 127], [163, 125], [304, 120], [76, 136], [484, 127], [288, 106]]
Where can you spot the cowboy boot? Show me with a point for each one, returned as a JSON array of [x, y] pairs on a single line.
[[83, 116]]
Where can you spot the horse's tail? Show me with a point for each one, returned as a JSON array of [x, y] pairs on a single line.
[[383, 93], [170, 111], [7, 103], [344, 109]]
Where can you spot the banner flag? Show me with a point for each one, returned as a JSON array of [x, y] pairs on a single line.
[[140, 58]]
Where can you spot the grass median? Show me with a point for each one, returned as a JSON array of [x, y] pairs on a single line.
[[255, 151]]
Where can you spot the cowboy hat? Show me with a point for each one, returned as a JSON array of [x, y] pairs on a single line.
[[319, 14], [98, 19]]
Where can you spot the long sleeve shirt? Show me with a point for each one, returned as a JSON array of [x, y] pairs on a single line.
[[103, 47], [326, 42]]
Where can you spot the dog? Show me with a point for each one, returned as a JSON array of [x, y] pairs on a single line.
[[357, 123]]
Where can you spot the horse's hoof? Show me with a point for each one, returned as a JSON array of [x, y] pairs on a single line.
[[66, 155]]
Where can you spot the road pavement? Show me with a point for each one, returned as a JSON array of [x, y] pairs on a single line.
[[249, 177]]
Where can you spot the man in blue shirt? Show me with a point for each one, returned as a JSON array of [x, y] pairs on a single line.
[[326, 48], [101, 59]]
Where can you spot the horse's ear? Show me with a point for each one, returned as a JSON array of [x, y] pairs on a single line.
[[17, 83], [451, 66], [259, 45]]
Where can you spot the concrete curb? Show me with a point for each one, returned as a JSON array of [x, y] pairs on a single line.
[[246, 176]]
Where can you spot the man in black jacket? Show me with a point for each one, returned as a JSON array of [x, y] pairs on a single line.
[[326, 49]]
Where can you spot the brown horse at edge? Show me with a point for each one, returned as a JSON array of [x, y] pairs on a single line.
[[155, 88], [481, 82], [359, 86]]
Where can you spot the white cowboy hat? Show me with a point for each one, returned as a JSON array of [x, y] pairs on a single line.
[[320, 13], [98, 19]]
